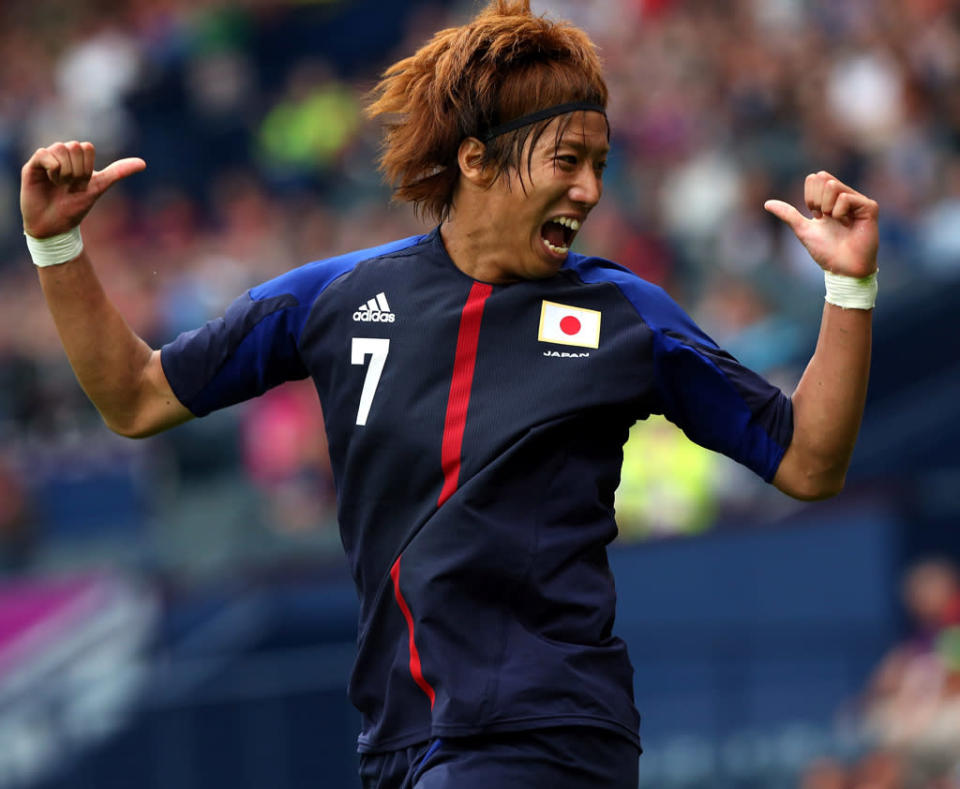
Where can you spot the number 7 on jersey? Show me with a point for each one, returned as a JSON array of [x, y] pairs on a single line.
[[377, 349]]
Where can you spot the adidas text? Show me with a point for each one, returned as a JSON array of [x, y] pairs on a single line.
[[366, 316]]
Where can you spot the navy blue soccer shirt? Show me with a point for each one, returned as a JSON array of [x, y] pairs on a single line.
[[476, 435]]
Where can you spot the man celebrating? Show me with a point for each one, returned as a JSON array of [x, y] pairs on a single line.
[[478, 383]]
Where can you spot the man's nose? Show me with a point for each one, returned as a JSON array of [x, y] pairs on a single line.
[[588, 188]]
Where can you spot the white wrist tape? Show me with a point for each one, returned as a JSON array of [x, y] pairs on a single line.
[[55, 250], [851, 293]]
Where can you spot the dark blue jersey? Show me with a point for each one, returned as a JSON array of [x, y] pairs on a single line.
[[476, 436]]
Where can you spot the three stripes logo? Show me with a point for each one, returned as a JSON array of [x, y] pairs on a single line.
[[376, 310]]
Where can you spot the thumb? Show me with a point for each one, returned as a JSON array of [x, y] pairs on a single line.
[[787, 213], [118, 170]]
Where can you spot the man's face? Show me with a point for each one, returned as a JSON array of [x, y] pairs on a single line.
[[537, 219]]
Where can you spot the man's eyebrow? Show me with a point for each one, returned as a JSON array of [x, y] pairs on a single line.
[[579, 145]]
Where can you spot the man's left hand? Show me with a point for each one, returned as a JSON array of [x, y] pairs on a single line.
[[842, 235]]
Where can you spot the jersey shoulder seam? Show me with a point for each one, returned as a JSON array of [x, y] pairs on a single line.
[[577, 272], [674, 322], [307, 295]]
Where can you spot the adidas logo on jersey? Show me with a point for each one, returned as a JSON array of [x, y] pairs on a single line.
[[375, 311]]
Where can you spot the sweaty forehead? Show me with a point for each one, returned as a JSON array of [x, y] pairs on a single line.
[[584, 130]]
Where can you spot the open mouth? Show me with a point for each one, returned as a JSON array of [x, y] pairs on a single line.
[[558, 234]]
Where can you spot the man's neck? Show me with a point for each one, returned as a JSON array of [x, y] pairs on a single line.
[[475, 247]]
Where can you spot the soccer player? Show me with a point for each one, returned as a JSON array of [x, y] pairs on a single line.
[[478, 383]]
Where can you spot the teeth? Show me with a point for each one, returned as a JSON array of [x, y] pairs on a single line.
[[573, 224], [558, 250]]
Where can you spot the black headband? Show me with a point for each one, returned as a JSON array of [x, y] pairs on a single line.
[[542, 115]]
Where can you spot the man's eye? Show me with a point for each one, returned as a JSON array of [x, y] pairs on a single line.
[[567, 159]]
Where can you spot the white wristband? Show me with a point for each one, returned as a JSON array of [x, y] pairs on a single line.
[[55, 250], [851, 293]]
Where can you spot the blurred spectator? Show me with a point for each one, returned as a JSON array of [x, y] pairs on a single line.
[[668, 486], [940, 224], [865, 94], [885, 770], [912, 706], [825, 774], [310, 127], [15, 531], [285, 455]]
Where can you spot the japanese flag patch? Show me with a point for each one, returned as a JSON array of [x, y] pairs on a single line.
[[565, 325]]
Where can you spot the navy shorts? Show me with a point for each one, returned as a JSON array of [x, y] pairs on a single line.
[[561, 758]]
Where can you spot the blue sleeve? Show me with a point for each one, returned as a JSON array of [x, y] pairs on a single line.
[[716, 401], [720, 404], [255, 345], [252, 348]]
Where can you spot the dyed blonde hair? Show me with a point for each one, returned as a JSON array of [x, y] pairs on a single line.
[[504, 64]]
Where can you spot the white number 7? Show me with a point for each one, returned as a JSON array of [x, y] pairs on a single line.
[[376, 349]]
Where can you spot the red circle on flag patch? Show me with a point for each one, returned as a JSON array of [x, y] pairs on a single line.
[[570, 325]]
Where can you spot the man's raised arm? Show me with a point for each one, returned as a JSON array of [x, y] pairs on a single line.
[[828, 402], [119, 372]]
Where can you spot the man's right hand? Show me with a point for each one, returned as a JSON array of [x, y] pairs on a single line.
[[58, 186]]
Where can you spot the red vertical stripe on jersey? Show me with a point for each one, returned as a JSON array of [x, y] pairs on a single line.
[[463, 366], [416, 670]]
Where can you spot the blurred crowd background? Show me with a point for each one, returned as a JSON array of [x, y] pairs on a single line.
[[249, 115]]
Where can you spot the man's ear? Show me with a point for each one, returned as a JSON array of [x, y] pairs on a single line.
[[470, 160]]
